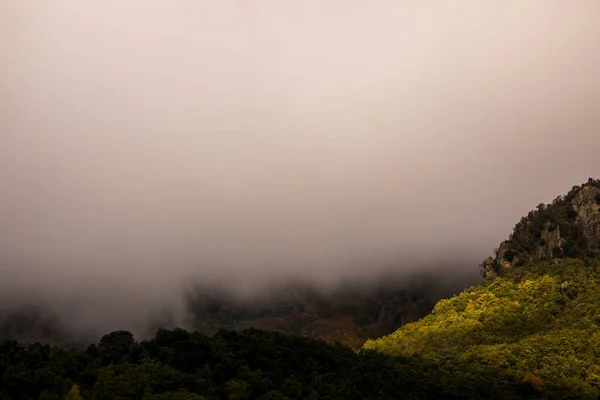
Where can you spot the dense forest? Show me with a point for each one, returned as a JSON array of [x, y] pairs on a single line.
[[250, 364], [530, 330]]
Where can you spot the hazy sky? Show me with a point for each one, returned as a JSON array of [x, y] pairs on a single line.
[[146, 142]]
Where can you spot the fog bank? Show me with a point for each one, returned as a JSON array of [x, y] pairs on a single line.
[[145, 145]]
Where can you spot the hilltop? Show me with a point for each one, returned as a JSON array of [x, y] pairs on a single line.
[[569, 227], [535, 318]]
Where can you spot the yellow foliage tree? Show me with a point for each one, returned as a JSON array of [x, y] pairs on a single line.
[[74, 394]]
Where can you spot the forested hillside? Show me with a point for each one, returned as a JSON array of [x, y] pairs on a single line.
[[536, 318], [539, 325]]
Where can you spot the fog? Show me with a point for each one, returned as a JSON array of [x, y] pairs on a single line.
[[148, 145]]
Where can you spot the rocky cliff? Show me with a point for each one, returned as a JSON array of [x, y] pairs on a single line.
[[568, 227]]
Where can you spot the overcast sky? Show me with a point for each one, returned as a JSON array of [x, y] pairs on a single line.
[[143, 143]]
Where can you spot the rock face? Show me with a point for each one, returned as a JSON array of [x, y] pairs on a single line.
[[568, 227], [488, 269], [550, 242], [586, 204]]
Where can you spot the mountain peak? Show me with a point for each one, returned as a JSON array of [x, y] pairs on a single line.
[[567, 227]]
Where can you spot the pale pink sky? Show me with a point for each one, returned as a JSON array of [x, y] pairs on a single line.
[[146, 142]]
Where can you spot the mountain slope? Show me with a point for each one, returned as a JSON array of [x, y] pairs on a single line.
[[540, 325], [536, 318], [350, 313]]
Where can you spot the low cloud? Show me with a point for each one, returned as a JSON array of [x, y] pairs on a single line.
[[146, 146]]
